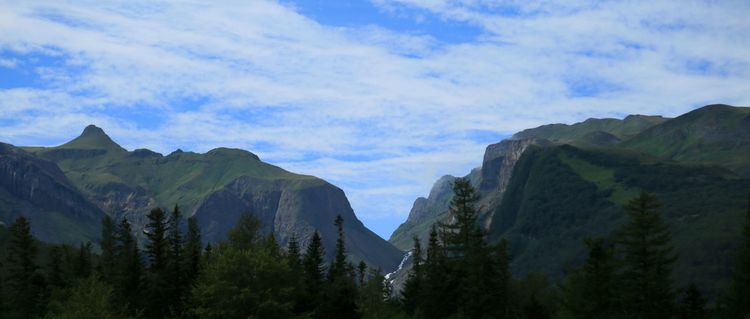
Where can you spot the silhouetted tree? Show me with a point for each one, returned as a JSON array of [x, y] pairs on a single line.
[[193, 254], [590, 293], [313, 278], [108, 244], [129, 268], [411, 293], [23, 283], [739, 294]]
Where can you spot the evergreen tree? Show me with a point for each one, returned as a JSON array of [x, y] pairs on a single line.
[[23, 287], [739, 294], [437, 297], [192, 251], [411, 293], [55, 272], [693, 304], [246, 232], [534, 309], [590, 292], [647, 259], [208, 253], [82, 267], [108, 245], [341, 292], [293, 255], [461, 235], [361, 273], [312, 281], [129, 267], [371, 300], [90, 298], [174, 275], [502, 280], [156, 248]]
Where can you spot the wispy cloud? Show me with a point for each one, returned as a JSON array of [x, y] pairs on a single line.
[[380, 112]]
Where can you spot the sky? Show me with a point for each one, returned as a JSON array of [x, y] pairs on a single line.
[[379, 97]]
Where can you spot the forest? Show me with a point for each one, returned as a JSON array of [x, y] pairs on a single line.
[[455, 274]]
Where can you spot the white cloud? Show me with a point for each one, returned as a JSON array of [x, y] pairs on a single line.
[[353, 104]]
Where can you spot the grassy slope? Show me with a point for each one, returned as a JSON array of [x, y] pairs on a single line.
[[563, 133], [558, 196]]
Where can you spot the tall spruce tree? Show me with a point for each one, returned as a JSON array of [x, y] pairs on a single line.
[[293, 255], [590, 292], [313, 277], [108, 245], [647, 257], [174, 276], [22, 285], [340, 299], [129, 268], [437, 298], [411, 293], [157, 246], [739, 294], [193, 248]]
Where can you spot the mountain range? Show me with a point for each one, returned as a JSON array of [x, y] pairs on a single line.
[[66, 190], [548, 188]]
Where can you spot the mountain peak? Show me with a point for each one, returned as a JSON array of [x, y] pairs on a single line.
[[93, 137]]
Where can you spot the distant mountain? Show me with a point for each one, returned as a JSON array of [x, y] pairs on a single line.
[[547, 188], [215, 187]]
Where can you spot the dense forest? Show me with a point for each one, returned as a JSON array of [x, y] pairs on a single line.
[[455, 274]]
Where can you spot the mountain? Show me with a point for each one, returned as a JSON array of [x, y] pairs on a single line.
[[38, 189], [548, 188], [215, 187]]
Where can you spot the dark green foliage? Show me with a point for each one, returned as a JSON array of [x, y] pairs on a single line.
[[361, 273], [590, 292], [24, 286], [739, 294], [128, 269], [108, 244], [313, 276], [534, 309], [410, 294], [156, 232], [647, 255], [193, 253], [246, 279], [175, 279], [90, 298], [371, 302], [55, 271], [82, 267], [340, 294], [693, 304]]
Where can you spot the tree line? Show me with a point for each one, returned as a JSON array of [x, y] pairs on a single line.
[[456, 274]]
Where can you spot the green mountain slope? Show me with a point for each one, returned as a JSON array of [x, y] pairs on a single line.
[[215, 187], [592, 129], [714, 134]]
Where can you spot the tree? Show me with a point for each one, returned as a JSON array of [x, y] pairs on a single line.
[[693, 304], [247, 279], [361, 273], [647, 258], [82, 267], [341, 292], [371, 300], [90, 298], [108, 245], [437, 297], [312, 280], [129, 267], [411, 293], [55, 272], [502, 280], [293, 255], [193, 247], [23, 284], [739, 294], [589, 293], [158, 301], [174, 275], [156, 248]]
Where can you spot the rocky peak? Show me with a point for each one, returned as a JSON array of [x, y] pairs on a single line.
[[93, 137], [500, 159]]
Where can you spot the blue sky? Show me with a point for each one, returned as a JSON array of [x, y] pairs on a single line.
[[380, 97]]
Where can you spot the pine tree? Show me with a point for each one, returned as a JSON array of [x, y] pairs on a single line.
[[461, 235], [361, 273], [174, 275], [108, 246], [437, 299], [312, 280], [693, 304], [647, 259], [156, 248], [128, 267], [411, 293], [341, 292], [82, 267], [502, 280], [55, 272], [293, 255], [22, 286], [590, 292], [739, 294], [192, 249]]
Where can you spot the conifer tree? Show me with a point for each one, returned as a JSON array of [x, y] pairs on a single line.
[[338, 266], [361, 273], [174, 275], [647, 258], [739, 294], [158, 301], [312, 281], [129, 267], [341, 291], [693, 304], [22, 285], [293, 255], [82, 267], [55, 272], [437, 298], [589, 293], [502, 280], [192, 249], [156, 248], [108, 245], [411, 293]]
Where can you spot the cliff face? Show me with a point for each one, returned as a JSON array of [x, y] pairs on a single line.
[[39, 190], [215, 187]]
